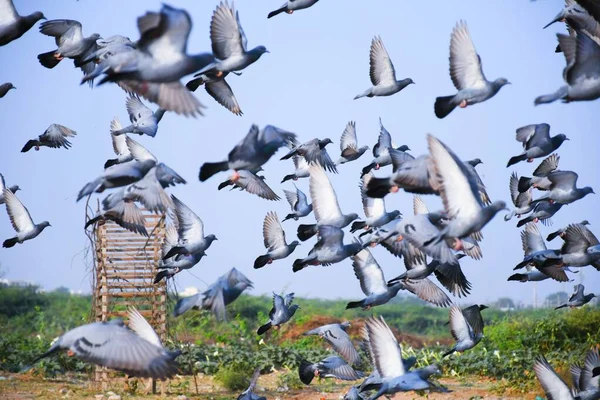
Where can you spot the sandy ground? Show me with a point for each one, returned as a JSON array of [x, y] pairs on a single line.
[[14, 387]]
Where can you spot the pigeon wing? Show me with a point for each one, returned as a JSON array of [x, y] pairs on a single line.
[[382, 70], [465, 63], [19, 216]]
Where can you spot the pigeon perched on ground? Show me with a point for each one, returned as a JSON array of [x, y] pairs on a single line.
[[301, 169], [221, 293], [330, 248], [315, 153], [563, 188], [5, 88], [159, 60], [218, 89], [336, 336], [252, 152], [374, 209], [249, 394], [467, 75], [383, 151], [466, 327], [537, 142], [137, 351], [329, 367], [292, 5], [387, 361], [3, 186], [54, 137], [551, 382], [70, 42], [460, 194], [12, 25], [577, 299], [283, 310], [325, 205], [543, 211], [126, 214], [298, 203], [382, 73], [191, 232], [582, 73], [349, 145], [274, 240], [561, 232], [539, 256], [540, 175], [143, 120], [521, 200], [229, 43], [581, 247], [20, 220]]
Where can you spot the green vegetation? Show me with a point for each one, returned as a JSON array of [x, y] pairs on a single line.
[[30, 320]]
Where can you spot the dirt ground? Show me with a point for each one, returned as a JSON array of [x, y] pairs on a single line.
[[15, 386]]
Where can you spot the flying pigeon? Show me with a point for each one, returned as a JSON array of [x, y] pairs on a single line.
[[5, 88], [251, 183], [585, 381], [349, 145], [336, 336], [12, 25], [551, 382], [537, 142], [20, 220], [292, 5], [126, 214], [283, 310], [382, 73], [218, 89], [301, 169], [467, 75], [521, 200], [3, 186], [374, 209], [581, 247], [54, 137], [383, 151], [577, 299], [314, 152], [143, 120], [466, 327], [298, 203], [561, 232], [329, 367], [563, 188], [539, 256], [540, 175], [174, 265], [120, 147], [274, 239]]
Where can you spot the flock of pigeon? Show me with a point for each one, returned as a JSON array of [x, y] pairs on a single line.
[[430, 243]]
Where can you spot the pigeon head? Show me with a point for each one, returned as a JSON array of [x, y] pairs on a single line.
[[403, 148], [324, 142], [475, 162], [95, 36], [35, 17], [558, 139], [15, 188], [11, 86], [352, 216], [395, 214], [294, 244], [256, 52], [44, 224], [345, 325], [482, 307], [430, 370], [293, 309], [587, 190], [584, 222], [593, 250], [211, 238], [498, 83], [408, 81]]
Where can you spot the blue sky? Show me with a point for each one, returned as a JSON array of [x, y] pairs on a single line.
[[318, 63]]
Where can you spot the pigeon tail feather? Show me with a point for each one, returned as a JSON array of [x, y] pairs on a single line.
[[305, 232], [209, 169], [49, 59], [261, 261], [306, 371], [516, 159], [378, 187], [518, 277], [524, 184], [10, 242], [277, 12], [444, 106], [264, 328], [355, 304]]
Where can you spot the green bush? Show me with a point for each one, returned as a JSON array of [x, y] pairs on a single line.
[[234, 379]]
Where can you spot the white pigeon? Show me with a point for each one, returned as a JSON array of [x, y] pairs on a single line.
[[20, 220]]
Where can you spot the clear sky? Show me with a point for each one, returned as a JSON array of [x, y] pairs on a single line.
[[318, 63]]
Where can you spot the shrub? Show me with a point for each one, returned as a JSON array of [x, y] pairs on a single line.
[[233, 379]]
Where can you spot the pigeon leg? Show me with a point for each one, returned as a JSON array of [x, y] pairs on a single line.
[[463, 104], [219, 74], [70, 353], [394, 189], [58, 56], [458, 245], [290, 11], [536, 220]]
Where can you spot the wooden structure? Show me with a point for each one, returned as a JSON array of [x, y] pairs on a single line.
[[125, 266]]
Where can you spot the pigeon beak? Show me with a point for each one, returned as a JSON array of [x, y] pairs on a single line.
[[14, 87], [559, 17]]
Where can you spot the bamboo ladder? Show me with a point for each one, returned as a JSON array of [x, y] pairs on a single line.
[[125, 266]]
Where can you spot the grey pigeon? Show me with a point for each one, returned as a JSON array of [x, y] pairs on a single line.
[[521, 200], [382, 73], [383, 151], [229, 43], [378, 292], [109, 47], [143, 120], [21, 220], [563, 188], [582, 73], [292, 5], [252, 183], [54, 137], [298, 203], [137, 351], [325, 205], [470, 165], [539, 256], [124, 213], [543, 211], [70, 42], [330, 249], [190, 229], [561, 232], [301, 169], [315, 153], [5, 88], [336, 336], [12, 25], [220, 294], [3, 186], [466, 328], [577, 18], [173, 265], [592, 7], [374, 209], [581, 247], [585, 379], [274, 240], [387, 359], [249, 394], [119, 143], [460, 194], [467, 75], [551, 382], [577, 299], [349, 145], [252, 152], [218, 89], [153, 68], [353, 394], [540, 175], [283, 310], [329, 367], [532, 274], [410, 173], [537, 142]]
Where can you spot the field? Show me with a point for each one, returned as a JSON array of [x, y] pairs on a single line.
[[218, 358]]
